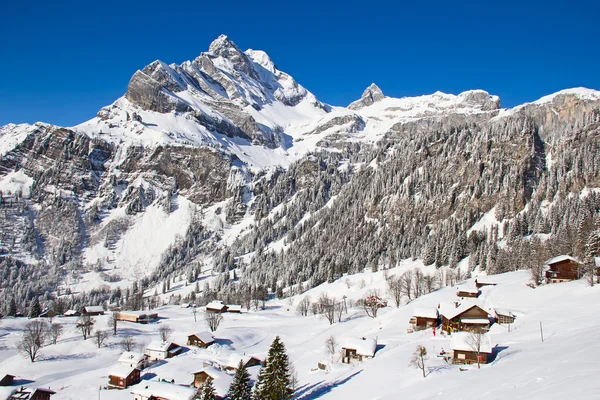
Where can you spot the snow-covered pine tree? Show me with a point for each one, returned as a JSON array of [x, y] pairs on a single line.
[[34, 308], [274, 380], [208, 390], [241, 388]]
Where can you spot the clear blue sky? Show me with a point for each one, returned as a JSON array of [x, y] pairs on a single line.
[[61, 61]]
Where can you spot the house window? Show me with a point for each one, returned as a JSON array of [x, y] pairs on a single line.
[[461, 356]]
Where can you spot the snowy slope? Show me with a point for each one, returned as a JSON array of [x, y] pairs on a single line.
[[523, 368]]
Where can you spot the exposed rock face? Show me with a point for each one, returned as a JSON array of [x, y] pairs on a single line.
[[482, 98], [149, 94], [355, 122], [371, 95]]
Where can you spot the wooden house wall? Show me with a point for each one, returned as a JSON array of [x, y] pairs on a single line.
[[468, 357]]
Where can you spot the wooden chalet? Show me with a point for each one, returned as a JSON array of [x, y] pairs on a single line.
[[562, 269], [465, 351], [154, 390], [140, 317], [93, 310], [358, 349], [72, 313], [201, 339], [468, 292], [234, 308], [31, 394], [48, 313], [464, 317], [121, 376], [134, 360], [504, 317], [221, 380], [424, 318], [233, 361], [479, 284], [158, 350], [216, 306], [7, 380]]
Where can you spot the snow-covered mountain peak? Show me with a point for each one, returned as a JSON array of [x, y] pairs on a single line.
[[372, 94]]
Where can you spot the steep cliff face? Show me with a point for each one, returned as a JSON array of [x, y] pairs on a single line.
[[226, 155]]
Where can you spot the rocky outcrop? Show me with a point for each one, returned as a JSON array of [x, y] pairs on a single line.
[[371, 95]]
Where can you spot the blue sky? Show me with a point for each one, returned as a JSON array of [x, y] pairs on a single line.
[[61, 61]]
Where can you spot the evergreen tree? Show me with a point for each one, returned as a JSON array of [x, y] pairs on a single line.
[[241, 388], [12, 308], [275, 380], [208, 390], [34, 308]]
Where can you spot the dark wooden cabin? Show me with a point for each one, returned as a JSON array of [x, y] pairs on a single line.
[[121, 377], [562, 269], [465, 352], [472, 293], [201, 339], [7, 380], [465, 317]]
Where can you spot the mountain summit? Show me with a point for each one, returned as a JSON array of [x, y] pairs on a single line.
[[371, 95]]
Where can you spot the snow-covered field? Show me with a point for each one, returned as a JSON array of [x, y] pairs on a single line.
[[563, 365]]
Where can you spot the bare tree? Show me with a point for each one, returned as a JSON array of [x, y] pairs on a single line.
[[327, 307], [430, 283], [371, 303], [419, 358], [406, 284], [100, 338], [113, 321], [55, 332], [394, 289], [314, 308], [85, 324], [213, 320], [339, 310], [33, 339], [475, 341], [128, 343], [331, 346], [290, 301], [303, 306], [165, 332], [418, 284]]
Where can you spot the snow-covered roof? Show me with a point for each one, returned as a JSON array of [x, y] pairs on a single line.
[[561, 258], [121, 371], [468, 290], [93, 309], [159, 345], [221, 380], [425, 312], [131, 357], [215, 305], [138, 313], [234, 359], [503, 311], [450, 311], [234, 307], [165, 390], [463, 341], [70, 312], [363, 346], [475, 321], [205, 336]]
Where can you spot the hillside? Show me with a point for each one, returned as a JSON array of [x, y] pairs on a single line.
[[524, 366]]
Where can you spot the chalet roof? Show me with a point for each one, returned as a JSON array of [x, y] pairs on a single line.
[[461, 341], [158, 345], [24, 393], [503, 311], [205, 337], [215, 305], [70, 313], [450, 311], [93, 309], [234, 307], [425, 312], [468, 290], [363, 346], [221, 380], [561, 258], [163, 390], [131, 357], [121, 371], [138, 313], [234, 359]]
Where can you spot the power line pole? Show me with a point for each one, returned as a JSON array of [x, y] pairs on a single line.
[[541, 332]]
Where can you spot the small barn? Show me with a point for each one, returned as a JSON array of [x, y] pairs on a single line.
[[216, 306], [504, 317], [201, 339], [479, 284], [234, 361], [468, 292], [93, 310], [140, 317], [158, 350], [424, 318], [72, 313], [48, 313], [464, 348], [133, 360], [234, 308], [562, 269], [7, 380], [358, 349], [221, 380], [464, 317], [121, 376], [32, 394], [154, 390]]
